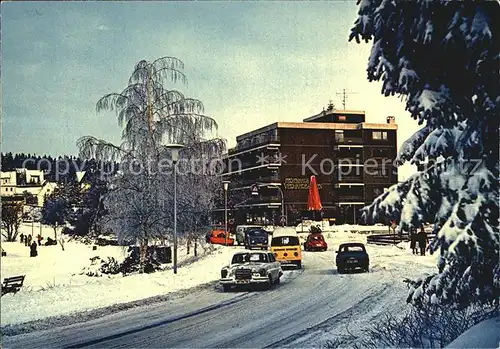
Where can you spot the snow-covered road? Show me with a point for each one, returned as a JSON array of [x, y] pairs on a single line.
[[309, 306]]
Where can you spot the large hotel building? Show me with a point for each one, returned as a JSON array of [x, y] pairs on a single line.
[[351, 159]]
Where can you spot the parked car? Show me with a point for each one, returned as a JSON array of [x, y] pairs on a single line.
[[219, 237], [256, 238], [240, 232], [315, 242], [351, 256], [251, 268]]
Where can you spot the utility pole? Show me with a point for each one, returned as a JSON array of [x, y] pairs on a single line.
[[344, 94]]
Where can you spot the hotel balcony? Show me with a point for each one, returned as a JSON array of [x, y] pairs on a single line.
[[274, 179], [250, 144], [349, 198], [267, 201], [348, 140], [340, 178]]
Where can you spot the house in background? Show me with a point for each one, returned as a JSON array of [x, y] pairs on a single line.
[[15, 185]]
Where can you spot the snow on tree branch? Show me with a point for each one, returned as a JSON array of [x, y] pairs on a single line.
[[444, 57]]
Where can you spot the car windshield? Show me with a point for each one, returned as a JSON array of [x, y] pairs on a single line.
[[355, 248], [317, 237], [255, 233], [285, 241], [241, 258]]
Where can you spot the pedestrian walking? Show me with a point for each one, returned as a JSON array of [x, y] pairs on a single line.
[[21, 237], [422, 241]]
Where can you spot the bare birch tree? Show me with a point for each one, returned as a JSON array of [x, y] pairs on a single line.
[[139, 202]]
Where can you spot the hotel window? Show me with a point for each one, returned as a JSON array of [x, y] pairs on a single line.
[[381, 152], [379, 135], [339, 135]]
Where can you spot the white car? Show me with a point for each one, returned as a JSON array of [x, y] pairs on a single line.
[[251, 268]]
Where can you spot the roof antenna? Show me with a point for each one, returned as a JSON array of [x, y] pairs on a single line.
[[344, 94]]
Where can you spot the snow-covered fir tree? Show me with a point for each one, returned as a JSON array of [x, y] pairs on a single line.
[[443, 57]]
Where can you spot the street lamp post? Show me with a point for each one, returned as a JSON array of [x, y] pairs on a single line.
[[282, 198], [174, 148], [226, 186]]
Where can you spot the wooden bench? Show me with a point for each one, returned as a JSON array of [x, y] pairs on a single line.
[[12, 284]]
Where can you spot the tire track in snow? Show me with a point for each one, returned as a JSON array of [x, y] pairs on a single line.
[[229, 303], [357, 308]]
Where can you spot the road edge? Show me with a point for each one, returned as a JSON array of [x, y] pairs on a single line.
[[52, 322]]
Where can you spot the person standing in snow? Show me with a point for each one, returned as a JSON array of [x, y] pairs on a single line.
[[413, 240], [422, 241], [39, 238], [21, 237], [33, 252]]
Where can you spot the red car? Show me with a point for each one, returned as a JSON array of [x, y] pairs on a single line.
[[315, 242], [219, 237]]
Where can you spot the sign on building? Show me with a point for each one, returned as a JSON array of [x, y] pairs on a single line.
[[297, 183]]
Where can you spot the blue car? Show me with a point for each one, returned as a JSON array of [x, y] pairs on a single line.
[[256, 238]]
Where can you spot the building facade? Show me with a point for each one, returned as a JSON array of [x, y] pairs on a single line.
[[15, 184], [353, 162]]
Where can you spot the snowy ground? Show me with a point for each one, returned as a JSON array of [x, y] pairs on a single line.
[[53, 286], [485, 334]]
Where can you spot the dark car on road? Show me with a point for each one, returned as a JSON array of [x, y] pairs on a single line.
[[256, 238], [351, 256]]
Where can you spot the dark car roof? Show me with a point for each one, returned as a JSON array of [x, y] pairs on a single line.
[[257, 230], [352, 244]]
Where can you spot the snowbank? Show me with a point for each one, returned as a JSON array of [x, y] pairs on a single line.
[[485, 334]]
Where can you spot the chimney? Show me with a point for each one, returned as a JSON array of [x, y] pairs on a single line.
[[391, 120]]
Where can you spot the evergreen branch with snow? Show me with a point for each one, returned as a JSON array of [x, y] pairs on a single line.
[[444, 57]]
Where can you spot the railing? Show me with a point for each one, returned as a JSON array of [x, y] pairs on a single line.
[[350, 198], [391, 239], [348, 140], [264, 200], [340, 178], [348, 160], [254, 143], [267, 179], [378, 179]]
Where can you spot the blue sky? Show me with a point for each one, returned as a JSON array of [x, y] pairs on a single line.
[[250, 63]]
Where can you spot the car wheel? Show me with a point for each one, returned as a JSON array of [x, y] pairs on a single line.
[[226, 288], [299, 265], [277, 281], [367, 269], [340, 270], [271, 283]]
